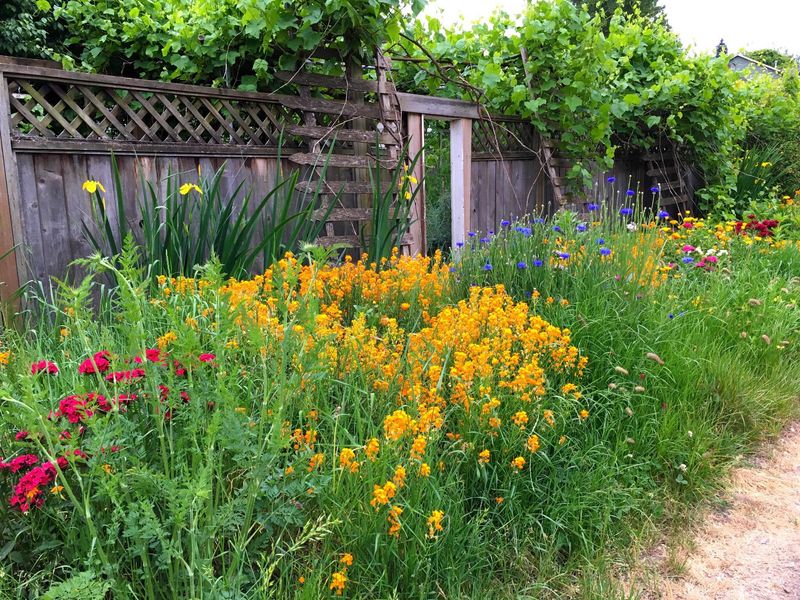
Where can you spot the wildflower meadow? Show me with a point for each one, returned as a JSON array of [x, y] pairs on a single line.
[[483, 426]]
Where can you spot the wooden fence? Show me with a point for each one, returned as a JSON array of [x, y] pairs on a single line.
[[58, 129]]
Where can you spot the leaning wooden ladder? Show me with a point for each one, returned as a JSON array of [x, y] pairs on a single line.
[[664, 169], [346, 143]]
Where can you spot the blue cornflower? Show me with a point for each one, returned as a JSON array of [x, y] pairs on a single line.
[[612, 179], [605, 251], [581, 227], [662, 214], [626, 210], [592, 207], [556, 228], [487, 267], [491, 232], [526, 231], [538, 220], [655, 189], [537, 262], [459, 244], [630, 193], [505, 223], [522, 265], [670, 316], [600, 241], [528, 294], [471, 234], [687, 259], [485, 240], [563, 255], [452, 269]]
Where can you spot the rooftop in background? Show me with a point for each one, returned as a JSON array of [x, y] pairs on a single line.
[[740, 62]]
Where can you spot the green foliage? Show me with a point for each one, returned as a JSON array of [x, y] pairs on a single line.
[[650, 9], [28, 29], [774, 58], [391, 207], [83, 586], [634, 87], [233, 43], [191, 223]]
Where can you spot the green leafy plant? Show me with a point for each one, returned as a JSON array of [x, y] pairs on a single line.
[[391, 207], [192, 222]]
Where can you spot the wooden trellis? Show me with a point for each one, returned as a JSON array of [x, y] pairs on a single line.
[[58, 128]]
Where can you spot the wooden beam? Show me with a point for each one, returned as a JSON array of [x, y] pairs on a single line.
[[347, 161], [10, 224], [460, 179], [340, 187], [339, 134], [328, 81], [39, 145], [415, 126], [431, 106]]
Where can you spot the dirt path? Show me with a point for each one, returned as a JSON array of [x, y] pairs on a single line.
[[749, 550]]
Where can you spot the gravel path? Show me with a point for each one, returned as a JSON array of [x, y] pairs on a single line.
[[750, 550]]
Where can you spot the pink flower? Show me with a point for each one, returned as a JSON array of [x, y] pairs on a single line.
[[688, 248], [20, 462], [44, 366], [711, 259], [207, 357], [21, 436], [129, 375], [100, 359]]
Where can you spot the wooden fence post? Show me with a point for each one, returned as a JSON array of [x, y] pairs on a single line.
[[415, 126], [9, 207], [460, 178]]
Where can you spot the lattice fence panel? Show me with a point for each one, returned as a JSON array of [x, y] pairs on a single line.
[[497, 137], [58, 111]]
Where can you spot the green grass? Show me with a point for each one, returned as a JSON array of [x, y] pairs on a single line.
[[200, 505]]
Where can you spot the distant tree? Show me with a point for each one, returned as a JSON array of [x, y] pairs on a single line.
[[773, 58], [647, 8]]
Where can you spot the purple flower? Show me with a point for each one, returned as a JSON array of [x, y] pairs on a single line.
[[526, 231], [487, 267], [537, 262], [471, 234], [459, 244], [605, 251], [662, 214], [452, 269], [612, 179], [522, 265], [687, 259], [505, 223], [581, 227], [491, 232], [626, 210], [485, 240], [600, 241], [591, 207], [538, 220], [563, 255], [630, 193], [557, 228], [655, 189]]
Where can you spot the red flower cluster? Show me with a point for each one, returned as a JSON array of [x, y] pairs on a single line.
[[129, 375], [19, 463], [44, 366], [30, 490], [761, 228], [99, 363]]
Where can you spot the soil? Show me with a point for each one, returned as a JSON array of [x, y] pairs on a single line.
[[749, 549]]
